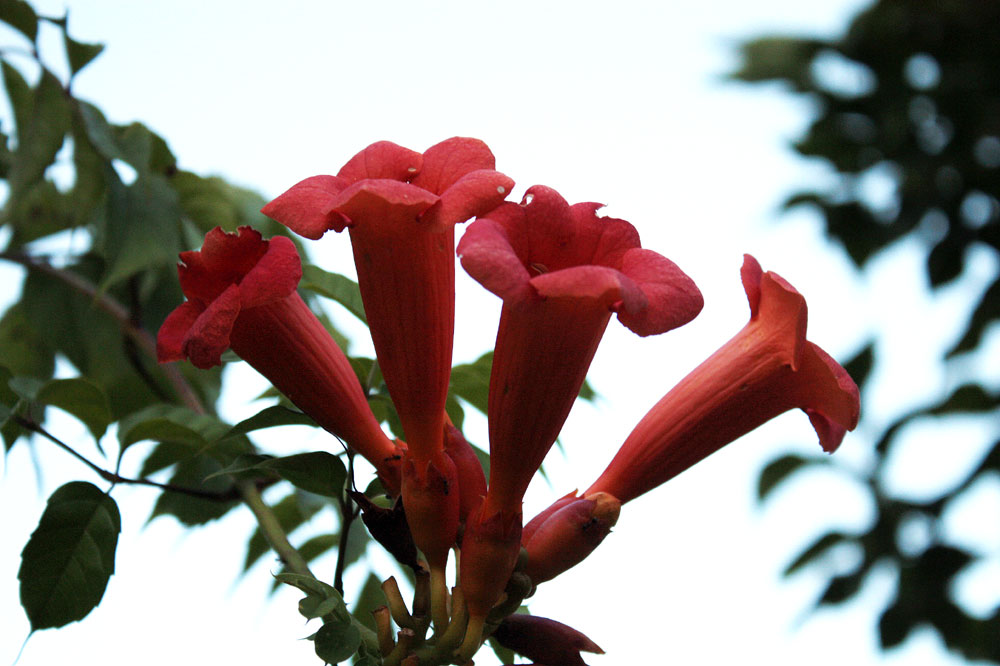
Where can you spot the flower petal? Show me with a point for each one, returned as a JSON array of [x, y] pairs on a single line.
[[828, 396], [275, 276], [382, 202], [222, 261], [475, 193], [447, 162], [305, 207], [598, 284], [382, 159], [488, 256], [671, 298], [170, 339], [209, 334]]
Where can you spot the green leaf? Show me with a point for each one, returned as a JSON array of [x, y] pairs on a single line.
[[20, 95], [99, 132], [780, 469], [80, 54], [39, 140], [162, 423], [336, 642], [308, 584], [19, 15], [69, 558], [471, 381], [81, 398], [860, 366], [334, 286], [22, 349], [191, 510], [270, 417], [141, 227], [371, 597], [317, 472]]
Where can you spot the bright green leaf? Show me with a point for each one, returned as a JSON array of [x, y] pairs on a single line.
[[336, 287], [69, 558]]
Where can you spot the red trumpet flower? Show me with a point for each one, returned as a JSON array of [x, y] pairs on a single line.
[[768, 368], [241, 295], [561, 271], [401, 208]]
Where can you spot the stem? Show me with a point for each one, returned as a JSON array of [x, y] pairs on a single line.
[[114, 477], [348, 512], [272, 530]]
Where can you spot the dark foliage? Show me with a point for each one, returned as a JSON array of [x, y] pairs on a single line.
[[910, 95]]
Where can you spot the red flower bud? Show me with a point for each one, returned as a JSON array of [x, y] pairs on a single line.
[[568, 535]]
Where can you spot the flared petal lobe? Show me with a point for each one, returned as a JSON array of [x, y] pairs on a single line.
[[767, 369], [401, 207], [561, 271], [241, 292]]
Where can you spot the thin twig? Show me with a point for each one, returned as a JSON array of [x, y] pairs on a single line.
[[114, 477], [348, 512]]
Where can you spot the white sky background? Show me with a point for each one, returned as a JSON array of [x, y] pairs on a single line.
[[620, 103]]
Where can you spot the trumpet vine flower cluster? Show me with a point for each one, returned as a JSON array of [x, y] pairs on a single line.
[[561, 271]]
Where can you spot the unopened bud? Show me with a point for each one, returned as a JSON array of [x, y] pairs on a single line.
[[544, 641], [569, 534]]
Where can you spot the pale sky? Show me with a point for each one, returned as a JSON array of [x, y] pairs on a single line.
[[621, 103]]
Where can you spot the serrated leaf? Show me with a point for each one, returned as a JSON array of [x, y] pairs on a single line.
[[336, 642], [780, 469], [67, 562], [334, 286], [317, 472], [79, 54], [19, 15], [270, 417], [81, 398]]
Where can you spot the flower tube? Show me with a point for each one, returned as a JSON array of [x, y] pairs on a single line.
[[242, 295], [768, 368], [561, 271]]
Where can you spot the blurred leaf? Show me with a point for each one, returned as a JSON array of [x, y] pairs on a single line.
[[19, 15], [840, 589], [945, 261], [894, 626], [22, 349], [336, 642], [81, 398], [970, 398], [69, 558], [371, 597], [20, 96], [504, 654], [860, 366], [144, 150], [79, 54], [334, 286], [986, 312], [768, 58], [817, 550], [471, 381], [270, 417], [99, 132], [780, 469], [39, 140]]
